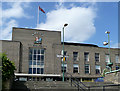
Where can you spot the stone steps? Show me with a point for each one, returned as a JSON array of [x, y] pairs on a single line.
[[57, 85]]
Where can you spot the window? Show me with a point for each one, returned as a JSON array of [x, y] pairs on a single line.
[[36, 61], [96, 57], [75, 56], [97, 69], [117, 58], [87, 68], [75, 68], [86, 56], [117, 67], [65, 67], [107, 58]]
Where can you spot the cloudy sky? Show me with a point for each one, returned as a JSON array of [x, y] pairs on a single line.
[[87, 21]]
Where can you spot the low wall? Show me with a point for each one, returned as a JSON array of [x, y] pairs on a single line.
[[112, 77]]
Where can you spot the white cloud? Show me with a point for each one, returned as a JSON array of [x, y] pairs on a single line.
[[9, 16], [80, 22], [7, 31], [116, 45]]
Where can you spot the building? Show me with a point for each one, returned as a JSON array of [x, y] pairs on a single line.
[[37, 56]]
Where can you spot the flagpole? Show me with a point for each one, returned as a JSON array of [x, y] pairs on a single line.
[[38, 18]]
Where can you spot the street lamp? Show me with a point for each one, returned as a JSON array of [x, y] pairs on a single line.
[[63, 50], [109, 64]]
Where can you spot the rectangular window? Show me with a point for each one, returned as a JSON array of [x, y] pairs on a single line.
[[96, 57], [97, 69], [75, 68], [65, 67], [75, 56], [87, 68], [86, 56], [107, 58], [36, 61], [117, 58]]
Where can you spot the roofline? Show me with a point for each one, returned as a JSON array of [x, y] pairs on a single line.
[[79, 44], [10, 41], [36, 29]]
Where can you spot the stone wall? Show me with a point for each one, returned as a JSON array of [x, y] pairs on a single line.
[[112, 77]]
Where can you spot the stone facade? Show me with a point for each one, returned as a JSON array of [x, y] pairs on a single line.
[[17, 50]]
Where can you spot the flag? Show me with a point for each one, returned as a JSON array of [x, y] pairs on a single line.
[[41, 9]]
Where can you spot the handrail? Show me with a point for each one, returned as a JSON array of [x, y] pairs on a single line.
[[77, 82]]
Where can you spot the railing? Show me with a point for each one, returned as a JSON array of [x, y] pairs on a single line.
[[78, 84]]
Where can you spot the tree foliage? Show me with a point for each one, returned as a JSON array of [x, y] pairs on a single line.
[[8, 67]]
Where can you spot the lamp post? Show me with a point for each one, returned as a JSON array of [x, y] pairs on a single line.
[[63, 50], [109, 64]]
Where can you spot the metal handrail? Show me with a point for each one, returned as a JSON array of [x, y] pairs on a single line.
[[77, 82]]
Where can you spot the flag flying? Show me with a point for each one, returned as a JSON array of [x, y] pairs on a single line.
[[41, 9]]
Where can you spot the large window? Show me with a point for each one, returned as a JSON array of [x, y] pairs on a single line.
[[97, 69], [65, 67], [96, 57], [117, 58], [75, 56], [87, 68], [75, 68], [36, 61], [86, 56], [107, 58]]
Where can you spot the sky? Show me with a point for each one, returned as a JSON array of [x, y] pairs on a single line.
[[87, 21]]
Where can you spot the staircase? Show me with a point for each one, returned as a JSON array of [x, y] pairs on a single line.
[[62, 86], [43, 86]]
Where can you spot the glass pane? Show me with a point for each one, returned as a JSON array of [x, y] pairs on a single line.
[[38, 51], [42, 70], [38, 70], [42, 51], [30, 70], [34, 62], [34, 70], [42, 57], [38, 57], [30, 62], [30, 57], [34, 57], [35, 51]]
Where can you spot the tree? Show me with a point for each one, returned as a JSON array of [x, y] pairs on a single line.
[[8, 67]]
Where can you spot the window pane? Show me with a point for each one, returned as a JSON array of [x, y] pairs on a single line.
[[30, 62], [38, 51], [38, 57], [34, 70], [107, 58], [34, 62], [75, 56], [117, 58], [38, 70], [42, 70], [86, 68], [35, 51], [86, 56], [97, 68], [42, 51], [42, 58], [34, 57], [30, 70], [97, 57]]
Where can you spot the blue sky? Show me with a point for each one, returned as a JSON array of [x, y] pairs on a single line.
[[87, 22]]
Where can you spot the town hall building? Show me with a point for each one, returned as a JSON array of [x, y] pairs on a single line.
[[37, 56]]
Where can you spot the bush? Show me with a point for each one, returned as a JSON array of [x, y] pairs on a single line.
[[8, 67]]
